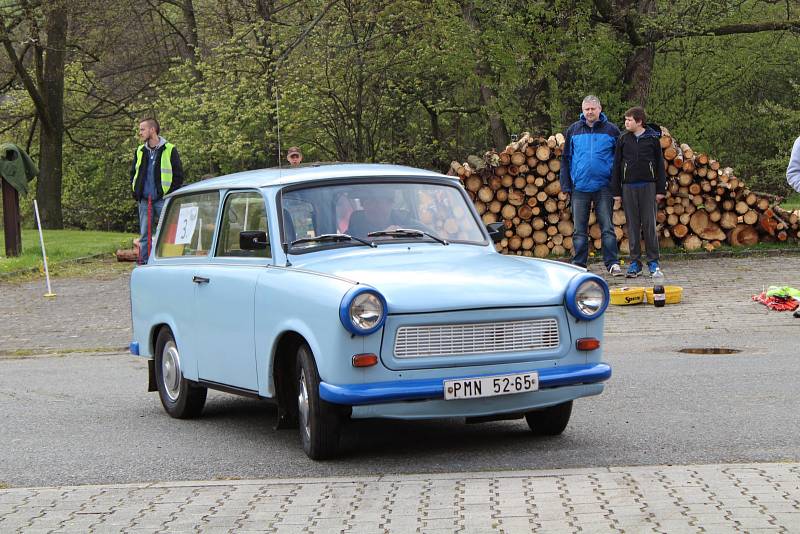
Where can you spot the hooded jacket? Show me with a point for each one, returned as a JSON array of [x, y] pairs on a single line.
[[17, 167], [588, 156], [137, 179], [639, 160]]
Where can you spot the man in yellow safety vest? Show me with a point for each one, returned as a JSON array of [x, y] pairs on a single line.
[[156, 171]]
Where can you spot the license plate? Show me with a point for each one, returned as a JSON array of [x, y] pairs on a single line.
[[490, 386]]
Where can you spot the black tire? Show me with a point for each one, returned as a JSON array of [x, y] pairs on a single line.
[[181, 398], [550, 421], [320, 422]]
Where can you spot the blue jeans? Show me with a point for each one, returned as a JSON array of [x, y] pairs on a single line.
[[603, 207], [144, 249]]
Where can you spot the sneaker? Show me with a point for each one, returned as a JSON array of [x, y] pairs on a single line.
[[634, 270], [653, 266], [615, 270]]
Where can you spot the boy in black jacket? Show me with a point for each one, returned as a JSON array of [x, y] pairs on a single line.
[[640, 181]]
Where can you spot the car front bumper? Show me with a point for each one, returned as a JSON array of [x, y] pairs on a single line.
[[433, 388], [517, 403]]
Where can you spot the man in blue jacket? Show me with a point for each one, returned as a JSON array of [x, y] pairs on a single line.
[[586, 165]]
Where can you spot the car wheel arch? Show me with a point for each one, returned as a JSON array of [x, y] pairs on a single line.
[[161, 324], [154, 332], [283, 377]]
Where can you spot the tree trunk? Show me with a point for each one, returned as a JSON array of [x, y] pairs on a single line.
[[538, 92], [488, 99], [48, 187], [497, 126], [638, 71], [639, 66], [51, 136], [11, 218], [266, 10], [192, 42]]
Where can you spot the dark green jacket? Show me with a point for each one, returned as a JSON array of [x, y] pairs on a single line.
[[16, 167]]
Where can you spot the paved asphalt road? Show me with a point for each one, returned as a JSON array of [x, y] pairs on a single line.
[[85, 418]]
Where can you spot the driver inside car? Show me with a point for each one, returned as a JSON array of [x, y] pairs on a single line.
[[377, 214]]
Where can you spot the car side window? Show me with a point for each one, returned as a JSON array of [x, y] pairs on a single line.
[[243, 212], [188, 225]]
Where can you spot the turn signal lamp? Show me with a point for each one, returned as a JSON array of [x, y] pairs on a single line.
[[364, 360], [587, 343]]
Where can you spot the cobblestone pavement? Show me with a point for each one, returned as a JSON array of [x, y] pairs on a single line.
[[667, 499]]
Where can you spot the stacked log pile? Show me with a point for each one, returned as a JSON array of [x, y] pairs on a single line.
[[706, 204]]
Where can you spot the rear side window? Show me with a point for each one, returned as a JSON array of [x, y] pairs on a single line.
[[188, 226], [243, 212]]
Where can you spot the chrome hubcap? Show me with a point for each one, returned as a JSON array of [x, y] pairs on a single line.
[[302, 405], [171, 370]]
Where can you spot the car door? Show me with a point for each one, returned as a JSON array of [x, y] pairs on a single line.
[[184, 241], [225, 296]]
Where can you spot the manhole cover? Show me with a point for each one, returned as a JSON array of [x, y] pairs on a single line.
[[710, 350]]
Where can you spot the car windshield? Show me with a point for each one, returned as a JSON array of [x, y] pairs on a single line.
[[374, 211]]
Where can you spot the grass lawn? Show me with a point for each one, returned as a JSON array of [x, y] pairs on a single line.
[[61, 246], [792, 202]]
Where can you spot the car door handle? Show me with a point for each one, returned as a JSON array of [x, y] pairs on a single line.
[[200, 280]]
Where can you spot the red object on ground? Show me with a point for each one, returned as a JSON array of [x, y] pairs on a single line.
[[777, 303]]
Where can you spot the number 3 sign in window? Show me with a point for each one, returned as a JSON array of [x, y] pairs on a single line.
[[187, 221]]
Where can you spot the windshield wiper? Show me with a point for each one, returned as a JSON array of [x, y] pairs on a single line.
[[333, 237], [408, 232]]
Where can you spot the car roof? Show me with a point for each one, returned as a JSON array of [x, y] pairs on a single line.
[[310, 173]]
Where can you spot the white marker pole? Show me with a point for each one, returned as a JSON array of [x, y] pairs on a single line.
[[44, 254]]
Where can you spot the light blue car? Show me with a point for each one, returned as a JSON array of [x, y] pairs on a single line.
[[358, 291]]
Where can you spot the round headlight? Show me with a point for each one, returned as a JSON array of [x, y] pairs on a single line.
[[363, 311], [366, 311], [588, 297]]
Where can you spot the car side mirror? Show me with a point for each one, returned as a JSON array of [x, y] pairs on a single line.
[[253, 240], [496, 231]]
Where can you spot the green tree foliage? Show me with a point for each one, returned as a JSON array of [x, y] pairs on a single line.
[[418, 82], [388, 83], [735, 96]]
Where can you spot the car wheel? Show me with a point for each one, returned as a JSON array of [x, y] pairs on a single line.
[[181, 398], [320, 424], [550, 421]]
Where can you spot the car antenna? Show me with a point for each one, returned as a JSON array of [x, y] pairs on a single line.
[[284, 245], [278, 119]]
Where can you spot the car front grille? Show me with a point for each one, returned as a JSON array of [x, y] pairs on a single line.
[[475, 338]]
